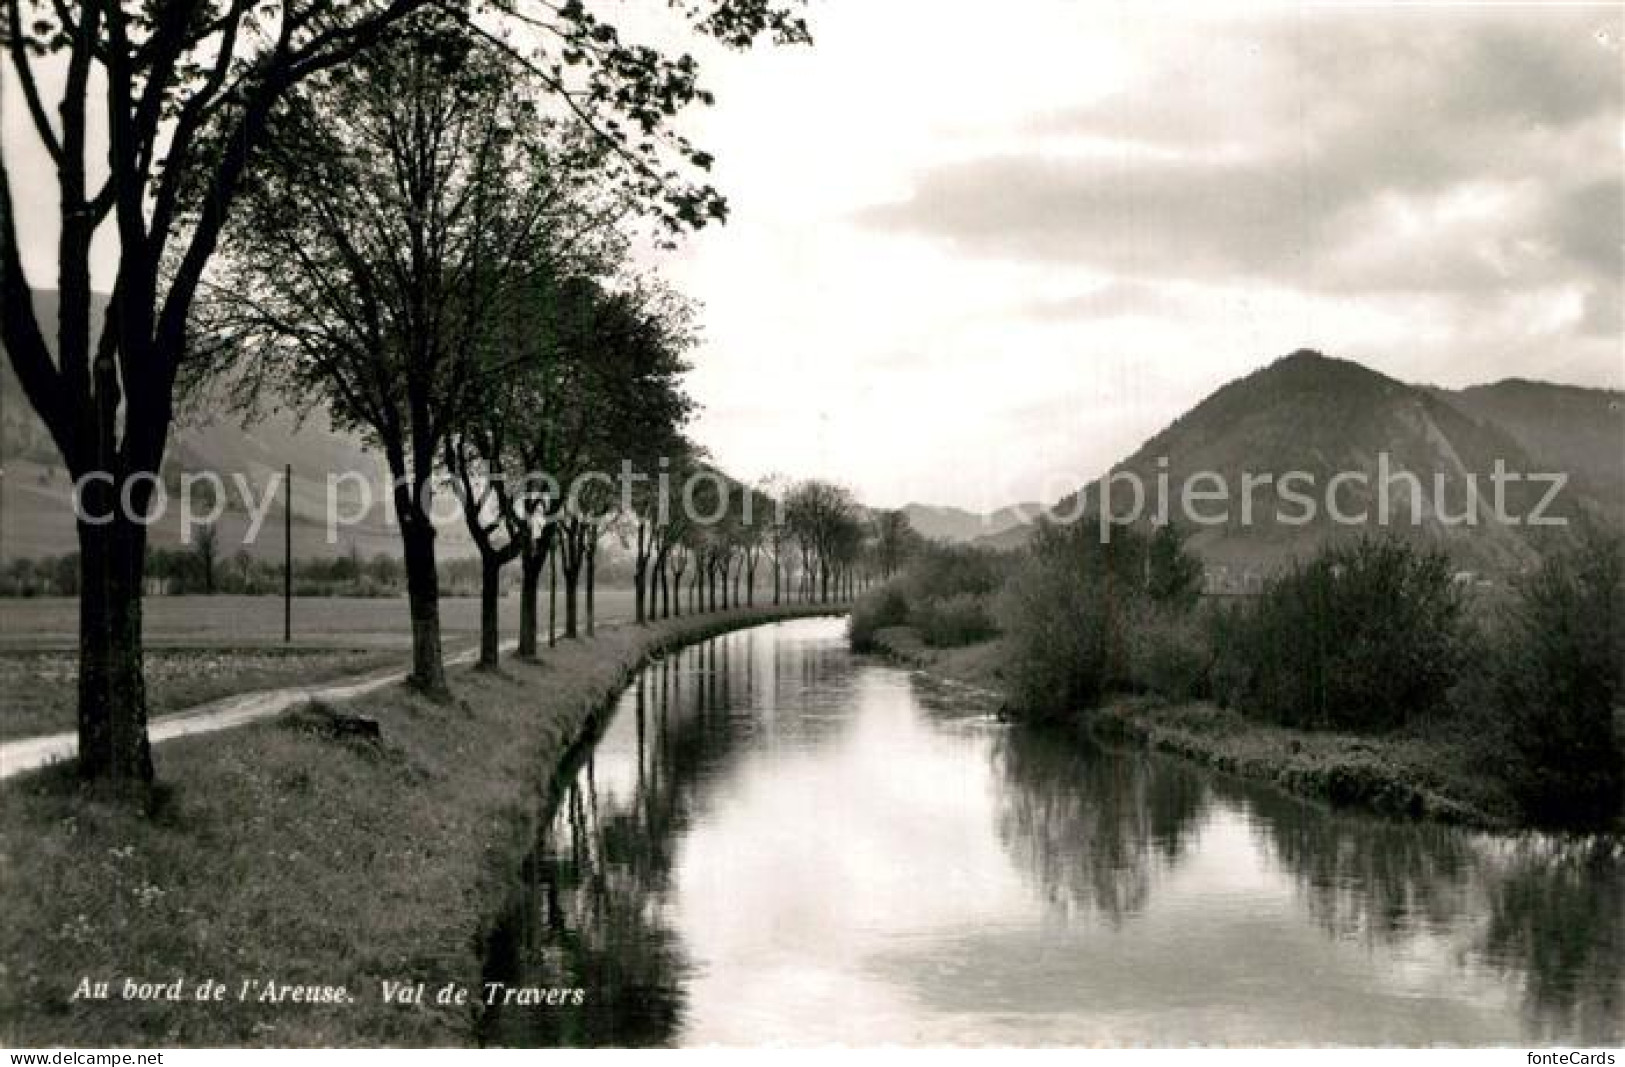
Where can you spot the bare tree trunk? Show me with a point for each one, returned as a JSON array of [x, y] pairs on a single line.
[[573, 547], [423, 595], [113, 741], [490, 624], [592, 559], [530, 580], [572, 582]]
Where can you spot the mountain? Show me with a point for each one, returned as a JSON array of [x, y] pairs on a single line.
[[36, 517], [1323, 417], [1581, 431], [939, 523]]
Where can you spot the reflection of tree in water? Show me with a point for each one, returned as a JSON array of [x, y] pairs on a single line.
[[591, 912], [1555, 907], [1557, 917], [1364, 877], [588, 915], [1090, 826]]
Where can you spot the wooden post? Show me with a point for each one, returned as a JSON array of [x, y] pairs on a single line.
[[287, 553]]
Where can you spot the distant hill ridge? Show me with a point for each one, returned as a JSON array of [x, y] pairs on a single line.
[[945, 523], [1323, 416], [37, 518]]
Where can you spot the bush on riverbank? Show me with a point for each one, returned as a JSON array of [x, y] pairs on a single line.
[[1368, 638], [876, 610], [944, 593], [1559, 659], [1085, 616], [954, 621], [1365, 636], [1170, 653]]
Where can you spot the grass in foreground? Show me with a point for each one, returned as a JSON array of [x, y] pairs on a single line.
[[41, 699], [278, 853]]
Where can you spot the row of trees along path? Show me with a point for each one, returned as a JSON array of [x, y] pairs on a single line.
[[429, 169]]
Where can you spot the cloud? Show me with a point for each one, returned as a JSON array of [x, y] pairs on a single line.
[[1332, 153], [1136, 217], [1093, 215], [1111, 299]]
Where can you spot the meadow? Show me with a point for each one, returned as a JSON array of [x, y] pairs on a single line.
[[203, 648]]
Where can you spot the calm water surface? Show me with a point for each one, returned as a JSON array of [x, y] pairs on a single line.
[[776, 841]]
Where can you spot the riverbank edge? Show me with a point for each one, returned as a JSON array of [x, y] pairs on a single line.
[[1393, 778], [279, 851]]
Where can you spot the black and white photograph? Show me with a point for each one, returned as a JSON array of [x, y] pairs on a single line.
[[811, 524]]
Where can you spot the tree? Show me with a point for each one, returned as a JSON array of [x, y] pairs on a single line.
[[1173, 574], [393, 204], [1557, 678], [523, 383], [207, 546], [634, 412], [895, 540], [753, 534], [820, 515], [776, 533], [188, 90]]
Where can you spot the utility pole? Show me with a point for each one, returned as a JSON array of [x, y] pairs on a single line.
[[287, 553]]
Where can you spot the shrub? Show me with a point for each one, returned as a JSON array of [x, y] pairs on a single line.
[[1062, 613], [1226, 628], [1366, 636], [1558, 681], [873, 612], [953, 621], [1173, 574], [944, 592], [1168, 653], [940, 570]]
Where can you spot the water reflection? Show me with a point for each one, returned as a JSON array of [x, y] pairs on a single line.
[[1557, 925], [1545, 912], [774, 841], [593, 910], [1093, 832]]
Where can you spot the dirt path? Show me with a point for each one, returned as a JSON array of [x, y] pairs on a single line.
[[31, 753]]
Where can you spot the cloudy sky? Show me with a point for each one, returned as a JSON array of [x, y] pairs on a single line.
[[980, 251]]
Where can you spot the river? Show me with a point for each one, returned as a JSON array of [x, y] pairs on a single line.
[[776, 841]]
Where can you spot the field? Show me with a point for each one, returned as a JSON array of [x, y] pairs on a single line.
[[256, 621], [202, 648], [40, 685]]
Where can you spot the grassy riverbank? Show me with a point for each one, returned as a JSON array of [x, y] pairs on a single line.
[[1410, 775], [278, 853], [1366, 675]]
